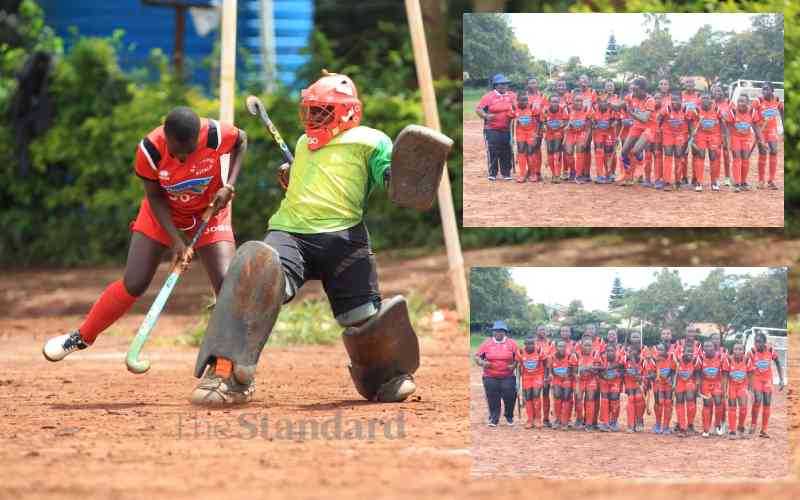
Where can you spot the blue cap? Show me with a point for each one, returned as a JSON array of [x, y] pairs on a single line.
[[499, 78], [500, 325]]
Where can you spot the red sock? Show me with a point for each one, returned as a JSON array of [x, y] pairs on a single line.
[[599, 163], [566, 409], [529, 410], [683, 163], [698, 164], [659, 165], [596, 414], [706, 418], [731, 419], [615, 406], [557, 408], [745, 169], [587, 163], [719, 414], [112, 305], [648, 165], [604, 410], [691, 411], [667, 415], [537, 163], [742, 416], [579, 406], [669, 169], [714, 170], [639, 402], [754, 414], [537, 411], [569, 164], [737, 170], [546, 407], [765, 419], [631, 410], [589, 412], [522, 161], [657, 408], [773, 167], [762, 166], [552, 161], [680, 409]]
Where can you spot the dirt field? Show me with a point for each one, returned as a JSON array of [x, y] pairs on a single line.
[[575, 454], [85, 428], [508, 204]]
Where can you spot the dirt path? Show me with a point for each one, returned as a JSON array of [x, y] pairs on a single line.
[[508, 204]]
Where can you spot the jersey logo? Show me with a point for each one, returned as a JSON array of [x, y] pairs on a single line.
[[627, 121], [769, 112], [553, 123], [676, 122], [708, 122], [163, 174], [743, 126], [531, 364], [710, 372], [577, 123], [194, 186], [762, 364], [560, 371], [738, 375], [664, 372], [524, 120], [691, 106], [602, 123], [685, 374]]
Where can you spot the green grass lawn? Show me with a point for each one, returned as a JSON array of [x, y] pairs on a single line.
[[475, 340], [471, 98]]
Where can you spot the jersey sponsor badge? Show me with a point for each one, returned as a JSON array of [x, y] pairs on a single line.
[[676, 122], [627, 121], [691, 106], [560, 371], [531, 364], [612, 373], [192, 186], [769, 112], [553, 123], [577, 123], [664, 372], [762, 364], [743, 126], [684, 374], [525, 120], [632, 371], [602, 124], [708, 122], [710, 371], [738, 375]]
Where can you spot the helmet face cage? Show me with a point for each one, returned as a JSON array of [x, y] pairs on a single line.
[[316, 116]]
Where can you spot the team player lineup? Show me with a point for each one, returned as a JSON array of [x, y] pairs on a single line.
[[589, 376], [659, 137]]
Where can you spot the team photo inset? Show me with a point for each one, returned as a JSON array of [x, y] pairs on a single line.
[[682, 112], [602, 369]]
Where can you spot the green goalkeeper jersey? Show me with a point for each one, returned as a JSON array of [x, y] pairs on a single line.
[[329, 187]]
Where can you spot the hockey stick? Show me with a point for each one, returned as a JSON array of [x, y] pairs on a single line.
[[134, 364], [256, 107]]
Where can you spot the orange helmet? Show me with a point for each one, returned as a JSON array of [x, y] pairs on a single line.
[[329, 106]]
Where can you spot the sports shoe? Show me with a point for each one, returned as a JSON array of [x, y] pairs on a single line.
[[509, 422], [772, 185], [630, 430], [603, 428], [763, 434], [737, 188], [656, 429], [60, 347], [720, 431], [492, 178], [659, 185], [491, 424], [555, 180], [715, 186], [611, 178], [396, 389], [547, 424], [731, 435], [706, 434], [727, 182], [587, 428], [508, 178], [646, 183], [217, 389], [600, 179], [751, 431], [698, 188], [578, 423], [614, 427], [666, 431], [745, 186], [691, 430], [668, 186]]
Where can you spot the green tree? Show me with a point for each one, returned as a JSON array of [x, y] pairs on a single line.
[[612, 51], [655, 56], [617, 295], [714, 299], [701, 54], [490, 48]]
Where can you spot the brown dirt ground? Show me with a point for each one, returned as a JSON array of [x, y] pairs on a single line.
[[508, 204], [86, 428]]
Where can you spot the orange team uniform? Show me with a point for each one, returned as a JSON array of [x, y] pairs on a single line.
[[675, 129], [635, 371], [189, 186], [686, 381], [769, 111], [578, 135], [724, 109], [691, 102], [648, 128], [664, 369], [708, 136], [711, 385], [532, 375], [560, 367], [603, 135], [586, 382], [538, 101], [741, 138], [738, 377], [610, 382], [761, 363], [528, 124]]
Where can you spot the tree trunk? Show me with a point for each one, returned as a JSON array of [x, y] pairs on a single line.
[[434, 16]]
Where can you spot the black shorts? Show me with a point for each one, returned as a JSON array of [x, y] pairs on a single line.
[[342, 260]]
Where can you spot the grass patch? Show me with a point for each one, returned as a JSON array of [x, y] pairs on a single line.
[[310, 322], [471, 99], [475, 341]]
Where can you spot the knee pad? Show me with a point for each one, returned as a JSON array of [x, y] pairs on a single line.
[[383, 348]]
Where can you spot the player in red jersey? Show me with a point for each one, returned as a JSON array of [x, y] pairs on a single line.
[[760, 357], [769, 107], [586, 388], [537, 101], [616, 104], [565, 100], [555, 118], [642, 108], [528, 132], [532, 361], [565, 333], [690, 96], [633, 382], [743, 122], [739, 371], [180, 169], [610, 385], [724, 106], [687, 380], [603, 126], [654, 154], [579, 135], [584, 97], [722, 352], [546, 346], [663, 378], [708, 139], [675, 132], [712, 386], [535, 96], [561, 369]]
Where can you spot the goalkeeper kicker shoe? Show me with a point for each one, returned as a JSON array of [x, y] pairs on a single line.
[[60, 347]]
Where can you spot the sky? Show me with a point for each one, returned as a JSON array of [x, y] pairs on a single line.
[[557, 37], [592, 285]]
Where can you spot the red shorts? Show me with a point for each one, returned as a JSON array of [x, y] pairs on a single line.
[[648, 133], [762, 384], [219, 228], [675, 140], [662, 386], [577, 135], [552, 135], [606, 138], [711, 387], [610, 386], [624, 131], [686, 384], [771, 136], [533, 382], [707, 141], [737, 390], [588, 384], [525, 135], [563, 382], [741, 142]]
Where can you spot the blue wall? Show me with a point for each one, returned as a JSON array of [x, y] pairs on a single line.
[[149, 27]]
